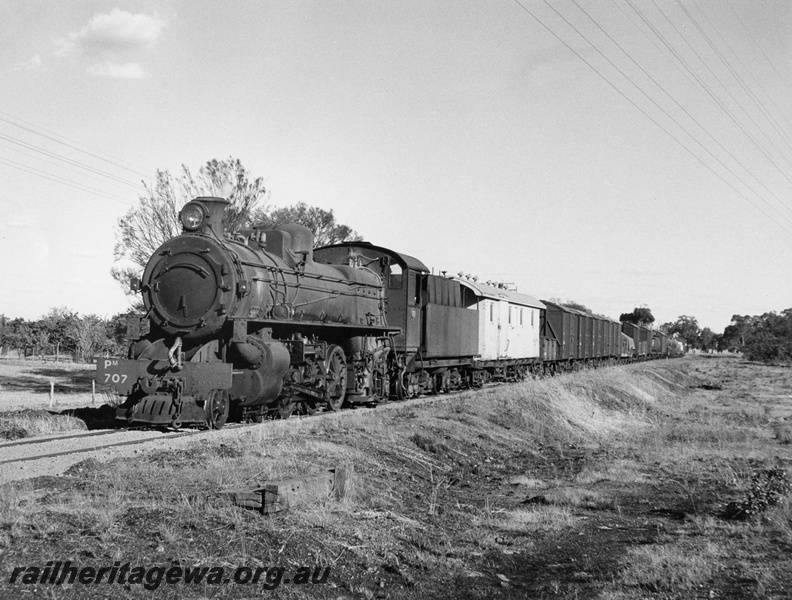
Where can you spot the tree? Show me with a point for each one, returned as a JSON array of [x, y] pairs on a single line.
[[17, 334], [707, 339], [719, 342], [736, 334], [769, 338], [116, 331], [156, 218], [65, 330], [56, 331], [687, 329], [639, 316], [90, 335], [571, 304], [322, 222]]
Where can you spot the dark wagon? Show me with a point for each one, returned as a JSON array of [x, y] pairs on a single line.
[[642, 336]]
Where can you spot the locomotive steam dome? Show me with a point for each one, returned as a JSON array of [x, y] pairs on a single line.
[[188, 284]]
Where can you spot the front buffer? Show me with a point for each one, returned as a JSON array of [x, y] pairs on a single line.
[[159, 393]]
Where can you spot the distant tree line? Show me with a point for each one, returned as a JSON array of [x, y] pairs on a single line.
[[687, 329], [64, 332], [766, 337]]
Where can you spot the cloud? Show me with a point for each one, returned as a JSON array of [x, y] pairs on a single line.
[[28, 65], [115, 39], [113, 33], [123, 71]]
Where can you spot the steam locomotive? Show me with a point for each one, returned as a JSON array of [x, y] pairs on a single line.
[[264, 324]]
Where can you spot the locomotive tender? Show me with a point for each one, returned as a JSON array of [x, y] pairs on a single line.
[[263, 324]]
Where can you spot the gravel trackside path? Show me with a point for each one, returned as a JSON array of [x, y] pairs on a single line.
[[55, 456]]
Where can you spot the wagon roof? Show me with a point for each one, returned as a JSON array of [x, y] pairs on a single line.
[[574, 311], [488, 291], [405, 261]]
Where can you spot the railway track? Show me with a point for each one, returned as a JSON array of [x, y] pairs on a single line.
[[86, 449], [52, 447], [48, 447], [45, 439]]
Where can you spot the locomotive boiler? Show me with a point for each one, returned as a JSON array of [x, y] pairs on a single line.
[[250, 323]]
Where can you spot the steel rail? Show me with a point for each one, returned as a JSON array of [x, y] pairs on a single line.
[[44, 440]]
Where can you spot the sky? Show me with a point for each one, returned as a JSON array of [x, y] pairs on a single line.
[[617, 154]]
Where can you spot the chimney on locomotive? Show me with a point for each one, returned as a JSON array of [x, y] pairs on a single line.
[[204, 214]]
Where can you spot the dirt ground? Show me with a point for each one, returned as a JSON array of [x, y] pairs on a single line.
[[26, 385]]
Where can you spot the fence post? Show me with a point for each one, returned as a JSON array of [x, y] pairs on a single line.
[[93, 391], [52, 392]]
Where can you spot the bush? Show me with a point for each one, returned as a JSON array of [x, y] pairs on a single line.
[[767, 489]]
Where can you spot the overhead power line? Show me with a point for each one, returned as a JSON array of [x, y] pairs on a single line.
[[616, 88], [40, 159], [729, 113], [704, 129], [74, 156], [675, 121], [64, 181], [758, 47], [70, 161], [74, 145], [763, 109]]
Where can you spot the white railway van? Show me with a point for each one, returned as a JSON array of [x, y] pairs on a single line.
[[508, 322]]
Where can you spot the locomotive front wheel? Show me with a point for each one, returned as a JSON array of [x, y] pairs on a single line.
[[307, 407], [216, 409], [402, 384], [336, 367]]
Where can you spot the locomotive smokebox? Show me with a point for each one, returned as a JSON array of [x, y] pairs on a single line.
[[190, 283]]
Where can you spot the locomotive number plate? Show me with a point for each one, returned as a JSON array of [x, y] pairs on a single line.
[[115, 372], [199, 378]]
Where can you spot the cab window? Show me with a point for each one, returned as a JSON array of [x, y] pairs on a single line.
[[395, 277]]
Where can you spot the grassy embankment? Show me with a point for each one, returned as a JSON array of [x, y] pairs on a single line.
[[30, 423], [607, 483]]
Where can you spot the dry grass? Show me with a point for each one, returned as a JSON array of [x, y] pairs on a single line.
[[584, 408], [30, 423], [14, 516], [531, 520], [448, 494], [577, 497], [778, 521], [619, 470], [670, 567]]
